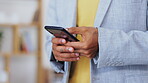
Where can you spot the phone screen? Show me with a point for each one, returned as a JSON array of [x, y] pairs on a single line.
[[60, 32]]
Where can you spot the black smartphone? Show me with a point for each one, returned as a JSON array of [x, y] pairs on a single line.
[[60, 32]]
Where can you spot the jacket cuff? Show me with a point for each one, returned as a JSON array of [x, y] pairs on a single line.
[[57, 65], [104, 40], [96, 58]]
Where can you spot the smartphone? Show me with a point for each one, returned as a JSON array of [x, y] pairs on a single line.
[[60, 32]]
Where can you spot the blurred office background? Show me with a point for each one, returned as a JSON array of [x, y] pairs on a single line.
[[22, 42]]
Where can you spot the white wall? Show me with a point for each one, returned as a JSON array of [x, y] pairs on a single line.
[[20, 11]]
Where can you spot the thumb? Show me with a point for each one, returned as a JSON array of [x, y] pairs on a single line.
[[75, 30]]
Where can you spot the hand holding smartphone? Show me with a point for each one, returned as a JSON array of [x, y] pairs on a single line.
[[60, 32]]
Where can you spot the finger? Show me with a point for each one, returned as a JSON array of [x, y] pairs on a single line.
[[76, 45], [66, 59], [58, 41], [63, 49], [66, 55], [89, 54], [54, 46], [69, 55], [76, 30], [83, 52]]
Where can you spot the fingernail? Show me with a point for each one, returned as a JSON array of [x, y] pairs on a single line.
[[64, 36], [70, 49], [78, 58], [67, 29], [77, 54], [63, 41]]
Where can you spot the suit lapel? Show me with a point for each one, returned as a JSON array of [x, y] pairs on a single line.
[[101, 12], [69, 11]]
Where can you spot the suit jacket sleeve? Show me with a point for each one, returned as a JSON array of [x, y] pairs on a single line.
[[119, 48], [52, 21]]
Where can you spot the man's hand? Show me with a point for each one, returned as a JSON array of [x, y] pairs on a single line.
[[89, 45], [63, 53]]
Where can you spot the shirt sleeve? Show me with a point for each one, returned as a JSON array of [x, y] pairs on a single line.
[[52, 21]]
